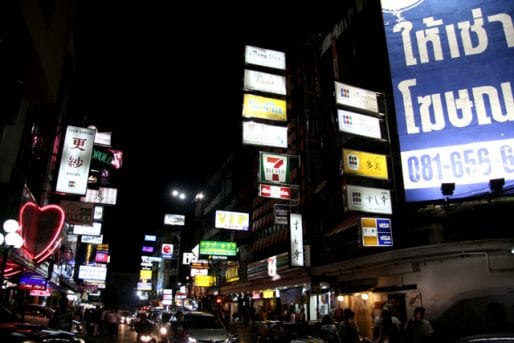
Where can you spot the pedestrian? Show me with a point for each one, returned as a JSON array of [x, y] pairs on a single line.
[[328, 330], [348, 330], [386, 326], [418, 329], [62, 319]]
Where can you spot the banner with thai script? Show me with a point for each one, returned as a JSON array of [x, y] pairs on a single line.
[[452, 67]]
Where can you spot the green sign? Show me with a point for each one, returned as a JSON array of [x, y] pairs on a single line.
[[218, 248]]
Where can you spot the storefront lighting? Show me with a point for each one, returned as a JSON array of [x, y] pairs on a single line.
[[340, 298], [364, 296]]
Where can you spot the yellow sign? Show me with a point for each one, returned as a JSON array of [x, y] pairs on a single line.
[[145, 274], [205, 280], [264, 108], [365, 164]]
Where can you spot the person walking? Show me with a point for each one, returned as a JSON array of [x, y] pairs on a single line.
[[387, 327], [418, 329], [348, 330]]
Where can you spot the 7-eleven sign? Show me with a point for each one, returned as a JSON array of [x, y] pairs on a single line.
[[274, 168]]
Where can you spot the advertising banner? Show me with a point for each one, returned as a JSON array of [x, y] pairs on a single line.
[[104, 195], [264, 108], [278, 192], [174, 219], [365, 164], [218, 248], [452, 70], [78, 212], [75, 160], [274, 168]]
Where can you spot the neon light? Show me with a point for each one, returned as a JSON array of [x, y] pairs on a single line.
[[54, 241]]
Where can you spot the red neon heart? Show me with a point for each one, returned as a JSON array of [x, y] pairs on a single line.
[[41, 230]]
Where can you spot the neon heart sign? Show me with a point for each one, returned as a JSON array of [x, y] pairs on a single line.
[[41, 230]]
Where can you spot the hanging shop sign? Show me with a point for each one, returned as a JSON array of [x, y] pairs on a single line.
[[296, 240], [359, 124], [365, 164], [278, 192], [264, 82], [75, 160], [274, 168], [264, 135], [217, 248], [264, 108], [376, 232], [356, 97], [265, 57], [78, 212], [232, 220], [367, 199]]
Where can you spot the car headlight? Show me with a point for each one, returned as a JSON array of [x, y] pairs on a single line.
[[145, 338], [191, 340]]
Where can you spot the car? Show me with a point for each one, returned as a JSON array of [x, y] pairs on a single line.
[[13, 329], [204, 327], [489, 337], [36, 314]]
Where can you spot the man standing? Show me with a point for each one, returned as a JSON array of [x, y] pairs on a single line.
[[418, 329]]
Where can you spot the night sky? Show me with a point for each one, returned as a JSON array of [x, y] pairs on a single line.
[[168, 83]]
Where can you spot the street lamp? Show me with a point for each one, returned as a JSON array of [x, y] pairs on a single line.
[[9, 239]]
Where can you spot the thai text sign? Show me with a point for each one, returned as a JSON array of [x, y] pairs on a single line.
[[452, 70], [218, 248]]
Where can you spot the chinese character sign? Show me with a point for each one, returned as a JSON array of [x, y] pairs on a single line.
[[75, 160]]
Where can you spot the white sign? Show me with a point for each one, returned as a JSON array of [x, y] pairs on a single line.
[[232, 220], [359, 124], [92, 273], [175, 219], [356, 97], [188, 258], [92, 239], [99, 213], [91, 230], [366, 199], [106, 196], [265, 57], [262, 134], [150, 238], [264, 82], [296, 239], [75, 160]]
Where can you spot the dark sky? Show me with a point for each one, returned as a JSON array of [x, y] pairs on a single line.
[[167, 82]]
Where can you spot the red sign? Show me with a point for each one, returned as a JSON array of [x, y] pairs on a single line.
[[276, 192]]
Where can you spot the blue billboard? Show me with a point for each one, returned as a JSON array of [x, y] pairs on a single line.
[[452, 67]]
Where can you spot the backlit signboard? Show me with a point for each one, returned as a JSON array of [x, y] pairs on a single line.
[[167, 250], [150, 238], [356, 97], [296, 240], [101, 257], [175, 219], [276, 192], [452, 71], [264, 82], [104, 195], [147, 249], [90, 230], [265, 135], [145, 274], [78, 212], [218, 248], [92, 273], [205, 281], [265, 57], [367, 199], [376, 232], [75, 160], [264, 108], [274, 168], [232, 220], [365, 164], [91, 239], [359, 124]]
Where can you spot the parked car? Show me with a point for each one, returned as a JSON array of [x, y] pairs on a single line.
[[13, 329]]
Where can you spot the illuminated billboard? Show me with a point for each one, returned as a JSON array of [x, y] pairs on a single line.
[[264, 108], [174, 219], [263, 134], [232, 220], [264, 82], [356, 97], [367, 199], [452, 72], [274, 168], [365, 164], [218, 248], [265, 57], [359, 124], [75, 160], [376, 232], [92, 273]]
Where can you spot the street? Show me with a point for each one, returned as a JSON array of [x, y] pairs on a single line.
[[125, 335]]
